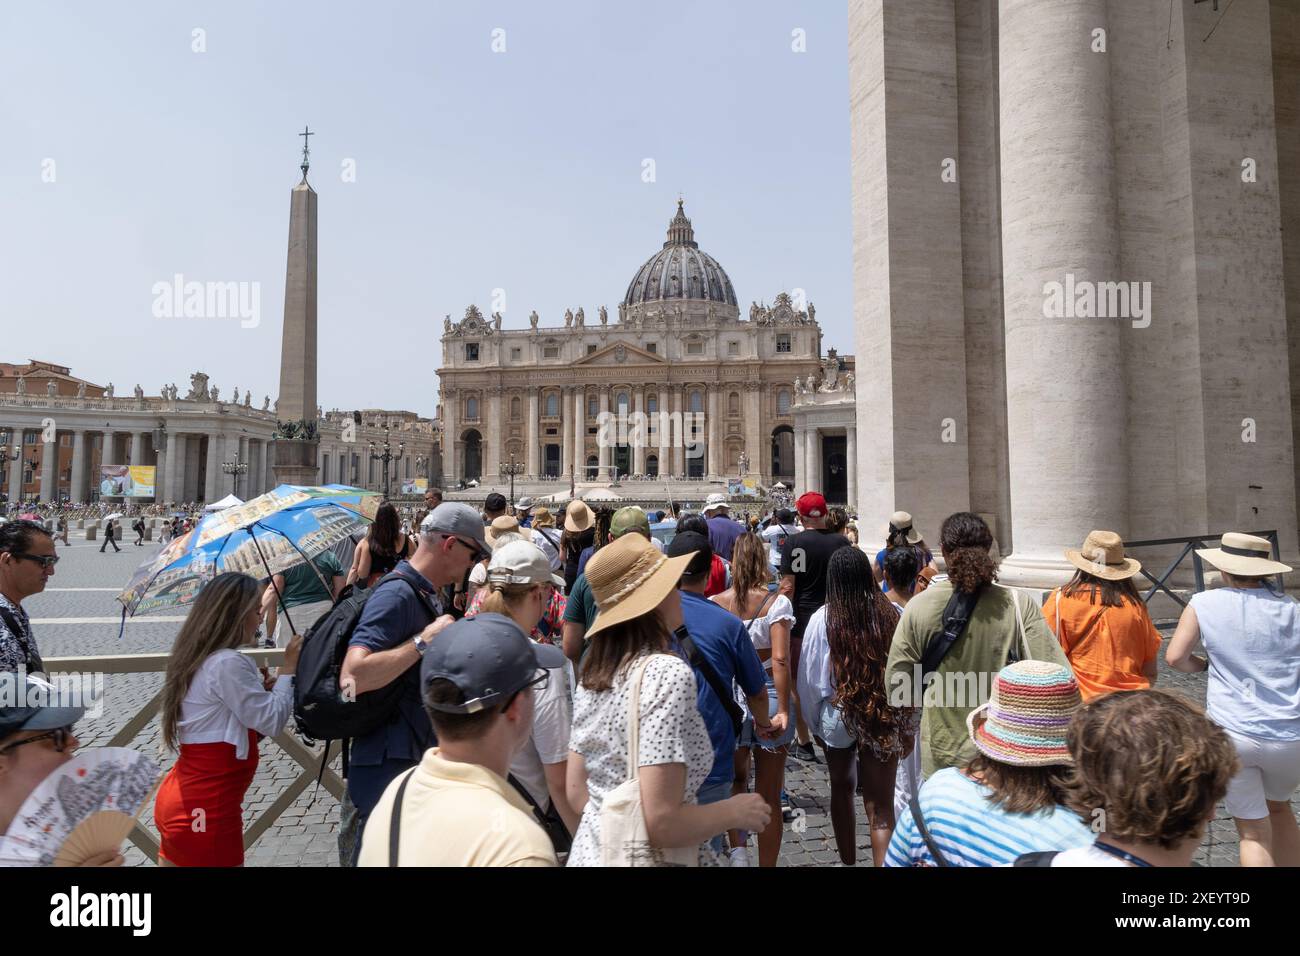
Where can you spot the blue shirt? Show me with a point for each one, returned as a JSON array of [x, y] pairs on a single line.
[[584, 557], [971, 831], [723, 533], [723, 641], [392, 616]]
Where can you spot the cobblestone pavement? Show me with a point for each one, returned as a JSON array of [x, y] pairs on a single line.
[[305, 835]]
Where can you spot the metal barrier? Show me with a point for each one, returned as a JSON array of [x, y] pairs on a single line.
[[1190, 546], [308, 759]]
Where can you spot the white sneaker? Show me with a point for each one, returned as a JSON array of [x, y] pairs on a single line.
[[739, 856]]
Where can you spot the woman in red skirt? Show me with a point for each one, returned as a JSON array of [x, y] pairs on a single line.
[[215, 708]]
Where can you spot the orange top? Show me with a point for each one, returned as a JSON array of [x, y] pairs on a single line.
[[1106, 646]]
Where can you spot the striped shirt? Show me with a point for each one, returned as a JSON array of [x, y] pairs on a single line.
[[971, 831]]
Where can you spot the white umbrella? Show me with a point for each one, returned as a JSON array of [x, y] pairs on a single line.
[[230, 501], [115, 514]]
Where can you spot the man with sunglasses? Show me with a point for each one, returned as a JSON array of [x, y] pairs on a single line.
[[27, 562], [400, 618], [35, 740], [456, 808]]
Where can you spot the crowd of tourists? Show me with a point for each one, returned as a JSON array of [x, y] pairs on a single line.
[[586, 686]]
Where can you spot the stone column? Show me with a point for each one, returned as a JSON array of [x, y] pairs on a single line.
[[212, 490], [665, 433], [714, 466], [851, 457], [493, 438], [534, 446], [1058, 220], [800, 463], [193, 461], [566, 431], [15, 487], [450, 432], [245, 483], [681, 434], [172, 475], [604, 448], [580, 433], [759, 450], [49, 470], [641, 432], [77, 487], [137, 448], [813, 466]]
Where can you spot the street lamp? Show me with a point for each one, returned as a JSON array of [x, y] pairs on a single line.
[[234, 469], [509, 470], [387, 456], [7, 455]]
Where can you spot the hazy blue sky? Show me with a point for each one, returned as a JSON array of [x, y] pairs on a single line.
[[475, 170]]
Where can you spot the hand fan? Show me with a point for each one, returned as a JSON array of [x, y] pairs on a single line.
[[85, 807]]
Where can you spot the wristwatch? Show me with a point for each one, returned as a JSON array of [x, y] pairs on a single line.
[[420, 645]]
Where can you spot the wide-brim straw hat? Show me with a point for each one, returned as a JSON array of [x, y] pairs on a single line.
[[542, 518], [579, 517], [1026, 720], [505, 524], [902, 521], [1243, 555], [1102, 556], [630, 577]]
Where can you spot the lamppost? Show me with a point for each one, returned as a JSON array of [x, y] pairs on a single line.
[[234, 469], [509, 470], [387, 456], [6, 456]]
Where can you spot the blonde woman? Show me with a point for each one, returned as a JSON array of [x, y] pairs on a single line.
[[521, 586], [215, 706]]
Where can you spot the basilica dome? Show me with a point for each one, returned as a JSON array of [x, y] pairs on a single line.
[[680, 270]]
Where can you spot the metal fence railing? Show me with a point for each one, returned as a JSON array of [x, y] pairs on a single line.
[[1190, 545]]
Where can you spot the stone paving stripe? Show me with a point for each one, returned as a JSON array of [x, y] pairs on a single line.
[[82, 589], [105, 620]]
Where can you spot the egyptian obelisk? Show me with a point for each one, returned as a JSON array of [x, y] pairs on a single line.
[[296, 448]]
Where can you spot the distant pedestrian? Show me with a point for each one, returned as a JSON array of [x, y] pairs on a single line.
[[1250, 631], [110, 536], [723, 529], [900, 532], [138, 528], [384, 545]]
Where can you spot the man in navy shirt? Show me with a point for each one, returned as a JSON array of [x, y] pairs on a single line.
[[398, 621], [723, 529], [723, 641]]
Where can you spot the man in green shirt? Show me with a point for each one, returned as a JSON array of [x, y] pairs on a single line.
[[580, 608], [965, 676], [304, 594]]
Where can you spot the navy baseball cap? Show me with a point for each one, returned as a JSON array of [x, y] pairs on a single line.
[[488, 658], [34, 704], [685, 543]]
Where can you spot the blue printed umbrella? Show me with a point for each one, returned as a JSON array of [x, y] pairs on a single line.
[[271, 533]]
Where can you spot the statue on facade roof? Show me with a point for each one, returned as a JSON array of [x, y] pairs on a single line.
[[214, 394], [496, 320], [568, 318], [604, 316], [812, 313], [108, 392], [235, 398], [21, 388], [532, 318], [266, 403], [446, 324], [81, 390], [579, 317], [51, 388], [248, 398], [139, 392]]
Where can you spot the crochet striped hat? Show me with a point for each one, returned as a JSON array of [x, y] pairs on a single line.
[[1025, 721]]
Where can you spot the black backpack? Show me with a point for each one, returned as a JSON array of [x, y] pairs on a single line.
[[319, 707]]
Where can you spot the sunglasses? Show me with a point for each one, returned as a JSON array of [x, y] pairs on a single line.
[[539, 682], [44, 560], [59, 735]]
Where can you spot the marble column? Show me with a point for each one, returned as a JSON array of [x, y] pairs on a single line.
[[450, 433], [212, 490], [534, 447], [566, 430], [77, 487], [137, 448], [665, 433], [49, 470], [580, 434], [1058, 220], [638, 427], [15, 486], [681, 434], [851, 456], [800, 464], [813, 465], [192, 465], [714, 466], [604, 448], [759, 450], [245, 482], [171, 474]]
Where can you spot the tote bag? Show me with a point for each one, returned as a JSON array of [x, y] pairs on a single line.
[[624, 839]]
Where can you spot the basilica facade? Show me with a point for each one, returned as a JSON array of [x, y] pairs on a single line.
[[676, 385]]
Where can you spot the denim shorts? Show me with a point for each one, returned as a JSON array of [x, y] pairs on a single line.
[[830, 727], [748, 738]]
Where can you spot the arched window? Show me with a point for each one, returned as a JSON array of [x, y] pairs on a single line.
[[471, 409], [593, 466], [552, 405], [783, 402], [621, 403], [652, 466], [733, 404], [697, 401], [514, 409], [592, 406], [652, 403]]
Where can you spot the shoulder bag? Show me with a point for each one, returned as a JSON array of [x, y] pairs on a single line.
[[624, 839]]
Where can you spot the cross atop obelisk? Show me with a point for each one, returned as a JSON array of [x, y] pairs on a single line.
[[306, 152]]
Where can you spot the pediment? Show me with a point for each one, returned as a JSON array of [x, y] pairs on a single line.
[[620, 353]]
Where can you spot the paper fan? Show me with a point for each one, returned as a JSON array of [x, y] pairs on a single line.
[[84, 808]]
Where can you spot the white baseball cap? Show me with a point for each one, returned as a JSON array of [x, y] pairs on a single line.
[[521, 562]]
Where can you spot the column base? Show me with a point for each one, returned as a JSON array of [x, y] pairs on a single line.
[[1034, 572], [296, 462]]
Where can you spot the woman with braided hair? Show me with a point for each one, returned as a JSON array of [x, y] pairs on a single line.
[[846, 702]]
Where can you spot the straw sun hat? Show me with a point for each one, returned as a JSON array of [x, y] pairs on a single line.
[[628, 578], [1102, 556], [578, 518], [1028, 714], [902, 521], [1243, 555]]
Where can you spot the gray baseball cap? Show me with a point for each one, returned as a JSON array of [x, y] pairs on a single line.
[[458, 519], [488, 658], [35, 705]]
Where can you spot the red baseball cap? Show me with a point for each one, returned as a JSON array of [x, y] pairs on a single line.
[[811, 504]]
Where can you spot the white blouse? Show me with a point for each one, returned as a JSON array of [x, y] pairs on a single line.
[[226, 698], [777, 608], [815, 681]]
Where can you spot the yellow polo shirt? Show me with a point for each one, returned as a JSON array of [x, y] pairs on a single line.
[[457, 814]]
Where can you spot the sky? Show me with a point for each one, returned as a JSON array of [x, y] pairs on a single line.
[[459, 149]]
